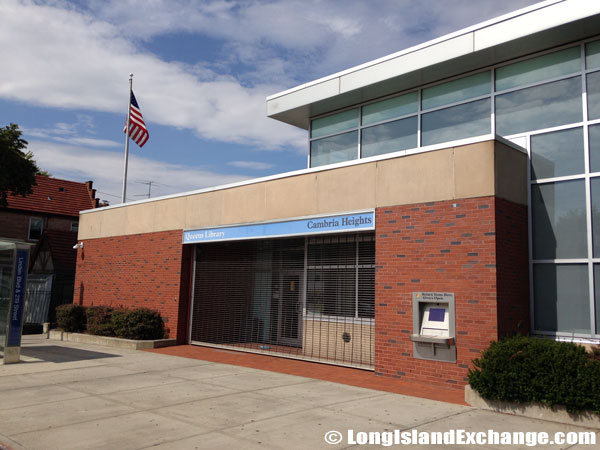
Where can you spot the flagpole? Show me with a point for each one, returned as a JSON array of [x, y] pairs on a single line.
[[127, 139]]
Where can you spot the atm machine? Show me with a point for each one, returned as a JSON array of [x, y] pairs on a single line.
[[434, 326]]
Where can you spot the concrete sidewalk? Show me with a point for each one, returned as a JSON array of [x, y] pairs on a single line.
[[74, 396]]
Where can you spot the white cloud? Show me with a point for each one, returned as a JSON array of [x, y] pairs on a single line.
[[105, 168], [90, 142], [312, 38], [78, 56], [70, 133], [256, 165], [68, 59]]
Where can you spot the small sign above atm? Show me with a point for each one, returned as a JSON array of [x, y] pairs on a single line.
[[340, 223]]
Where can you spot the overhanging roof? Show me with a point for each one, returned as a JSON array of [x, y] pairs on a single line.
[[535, 28]]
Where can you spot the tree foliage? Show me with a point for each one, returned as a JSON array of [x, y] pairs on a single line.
[[17, 167]]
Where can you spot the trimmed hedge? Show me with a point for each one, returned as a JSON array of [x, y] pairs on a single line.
[[525, 369], [71, 318], [99, 320], [139, 323]]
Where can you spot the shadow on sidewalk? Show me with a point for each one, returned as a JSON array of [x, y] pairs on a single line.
[[56, 354]]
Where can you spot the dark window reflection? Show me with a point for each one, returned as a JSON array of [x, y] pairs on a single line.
[[593, 97], [559, 222], [334, 149], [557, 154], [561, 298], [538, 107], [456, 122], [389, 137]]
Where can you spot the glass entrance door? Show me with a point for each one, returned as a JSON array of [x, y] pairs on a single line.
[[290, 307]]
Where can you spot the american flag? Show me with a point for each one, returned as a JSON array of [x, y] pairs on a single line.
[[137, 128]]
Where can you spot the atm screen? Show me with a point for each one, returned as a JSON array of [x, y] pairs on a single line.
[[436, 314]]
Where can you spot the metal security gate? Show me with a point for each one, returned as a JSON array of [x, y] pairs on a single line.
[[37, 299], [307, 298]]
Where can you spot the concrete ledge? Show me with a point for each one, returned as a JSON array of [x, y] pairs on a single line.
[[130, 344], [533, 410]]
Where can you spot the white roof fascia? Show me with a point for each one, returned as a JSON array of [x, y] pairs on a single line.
[[518, 24]]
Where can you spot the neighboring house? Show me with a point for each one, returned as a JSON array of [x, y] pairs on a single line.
[[48, 220]]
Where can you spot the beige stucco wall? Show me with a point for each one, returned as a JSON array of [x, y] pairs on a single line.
[[474, 170]]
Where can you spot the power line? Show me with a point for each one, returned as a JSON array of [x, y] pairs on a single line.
[[149, 183], [113, 195]]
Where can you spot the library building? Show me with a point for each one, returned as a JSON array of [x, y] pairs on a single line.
[[451, 198]]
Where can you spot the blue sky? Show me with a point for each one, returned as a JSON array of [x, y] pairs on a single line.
[[202, 70]]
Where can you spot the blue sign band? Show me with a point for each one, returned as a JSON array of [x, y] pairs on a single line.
[[18, 300], [298, 227]]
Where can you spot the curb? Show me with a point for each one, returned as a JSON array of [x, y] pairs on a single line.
[[533, 411], [130, 344]]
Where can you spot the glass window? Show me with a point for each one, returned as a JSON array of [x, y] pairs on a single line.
[[335, 123], [559, 221], [593, 95], [538, 107], [74, 226], [594, 137], [595, 187], [592, 55], [331, 292], [541, 68], [366, 292], [456, 91], [334, 252], [557, 154], [333, 149], [335, 264], [36, 225], [389, 137], [456, 122], [561, 298], [390, 108]]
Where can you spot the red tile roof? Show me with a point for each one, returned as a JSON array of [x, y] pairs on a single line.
[[55, 196]]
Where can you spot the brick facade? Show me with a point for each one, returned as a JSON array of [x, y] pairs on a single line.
[[149, 270], [15, 224], [475, 248]]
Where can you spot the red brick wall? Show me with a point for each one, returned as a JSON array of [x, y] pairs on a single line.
[[143, 270], [512, 262], [60, 223], [447, 246], [15, 224]]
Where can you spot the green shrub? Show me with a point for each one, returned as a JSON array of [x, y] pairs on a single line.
[[99, 320], [595, 353], [70, 318], [525, 369], [119, 322], [140, 323]]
